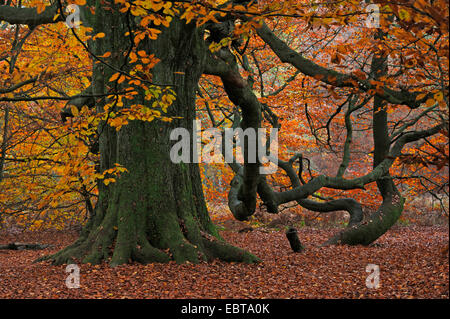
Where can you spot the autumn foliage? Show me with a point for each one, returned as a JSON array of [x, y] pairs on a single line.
[[48, 173]]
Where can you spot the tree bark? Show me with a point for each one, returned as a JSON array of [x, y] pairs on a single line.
[[156, 211], [389, 212], [294, 241]]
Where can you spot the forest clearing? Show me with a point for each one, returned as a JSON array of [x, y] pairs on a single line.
[[237, 149]]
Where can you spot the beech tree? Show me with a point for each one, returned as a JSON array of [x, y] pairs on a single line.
[[148, 58]]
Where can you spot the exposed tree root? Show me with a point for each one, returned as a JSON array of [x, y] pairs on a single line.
[[367, 231], [103, 245]]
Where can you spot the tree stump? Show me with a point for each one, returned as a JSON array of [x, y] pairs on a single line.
[[292, 236]]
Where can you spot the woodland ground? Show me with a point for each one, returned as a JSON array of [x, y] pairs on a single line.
[[410, 260]]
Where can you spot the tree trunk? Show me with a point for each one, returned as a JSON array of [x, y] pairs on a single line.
[[156, 211], [379, 222]]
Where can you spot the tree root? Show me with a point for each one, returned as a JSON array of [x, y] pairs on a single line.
[[105, 248]]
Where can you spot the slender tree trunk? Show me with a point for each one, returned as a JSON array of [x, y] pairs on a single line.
[[156, 211], [388, 213], [4, 141]]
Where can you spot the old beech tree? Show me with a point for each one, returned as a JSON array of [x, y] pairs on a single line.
[[148, 58]]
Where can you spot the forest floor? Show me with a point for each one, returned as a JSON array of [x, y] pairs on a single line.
[[409, 258]]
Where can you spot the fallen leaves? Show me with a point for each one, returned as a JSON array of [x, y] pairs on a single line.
[[410, 261]]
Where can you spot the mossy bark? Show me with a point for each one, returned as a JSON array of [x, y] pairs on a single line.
[[156, 211], [379, 222]]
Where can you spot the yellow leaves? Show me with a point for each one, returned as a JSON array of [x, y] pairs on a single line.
[[214, 47], [188, 15], [439, 96], [74, 110], [404, 15], [168, 99], [107, 181], [138, 11], [111, 174], [118, 122], [152, 92], [164, 98]]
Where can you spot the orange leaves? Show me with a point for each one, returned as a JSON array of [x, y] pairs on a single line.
[[118, 122], [430, 102], [151, 33], [336, 58], [147, 61], [114, 77], [359, 74], [133, 57], [80, 2], [417, 44], [121, 79], [105, 55], [51, 160], [156, 20], [99, 36], [188, 15], [40, 6]]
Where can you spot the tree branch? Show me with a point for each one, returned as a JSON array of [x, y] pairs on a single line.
[[29, 16]]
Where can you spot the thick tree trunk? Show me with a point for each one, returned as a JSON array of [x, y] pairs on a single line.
[[156, 211]]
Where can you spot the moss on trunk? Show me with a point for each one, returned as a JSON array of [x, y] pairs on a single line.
[[156, 211]]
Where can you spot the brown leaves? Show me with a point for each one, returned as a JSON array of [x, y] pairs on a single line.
[[411, 266]]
